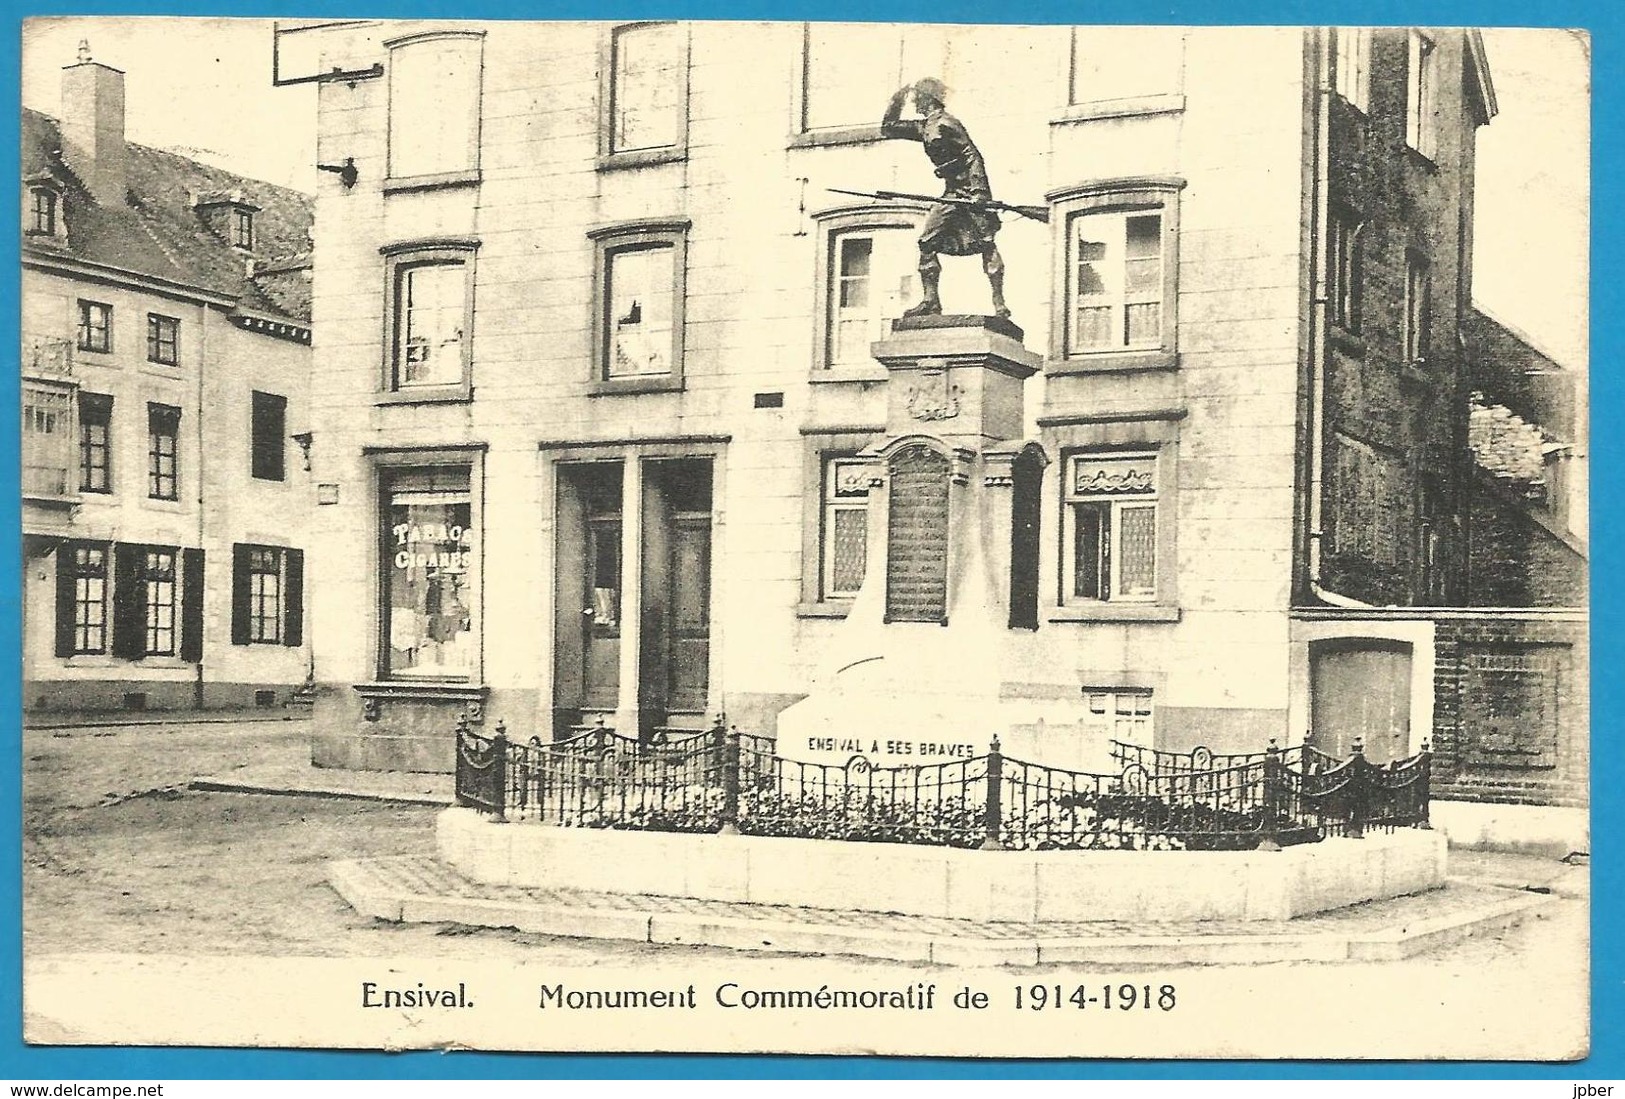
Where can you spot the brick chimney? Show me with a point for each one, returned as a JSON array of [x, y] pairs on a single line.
[[93, 127]]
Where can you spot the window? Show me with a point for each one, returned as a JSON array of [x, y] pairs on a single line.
[[163, 434], [844, 541], [267, 595], [1116, 289], [434, 105], [95, 442], [163, 339], [429, 574], [242, 229], [1118, 271], [1343, 272], [95, 326], [1353, 71], [47, 446], [850, 70], [1371, 504], [1110, 550], [81, 607], [269, 416], [431, 312], [1418, 308], [873, 278], [158, 580], [1122, 714], [639, 321], [42, 211], [646, 93], [1422, 85], [1124, 63]]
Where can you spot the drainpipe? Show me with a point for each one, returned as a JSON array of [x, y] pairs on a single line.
[[1317, 322], [202, 452]]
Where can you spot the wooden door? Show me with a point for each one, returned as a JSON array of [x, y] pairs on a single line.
[[689, 666], [1360, 688]]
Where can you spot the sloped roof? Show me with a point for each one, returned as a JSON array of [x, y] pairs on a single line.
[[158, 233]]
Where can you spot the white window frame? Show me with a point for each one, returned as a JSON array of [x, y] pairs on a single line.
[[1114, 506], [610, 242], [1353, 67], [1168, 41], [831, 505], [1119, 200], [610, 153], [1421, 92]]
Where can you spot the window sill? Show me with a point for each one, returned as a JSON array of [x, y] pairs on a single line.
[[438, 181], [656, 383], [833, 375], [1115, 612], [839, 135], [641, 158], [832, 608], [1138, 106], [158, 503], [258, 480], [153, 370], [1114, 363], [427, 394], [462, 689], [1345, 341]]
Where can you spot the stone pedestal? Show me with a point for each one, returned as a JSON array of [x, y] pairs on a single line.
[[914, 674]]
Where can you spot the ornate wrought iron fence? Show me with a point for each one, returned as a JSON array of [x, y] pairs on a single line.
[[722, 780]]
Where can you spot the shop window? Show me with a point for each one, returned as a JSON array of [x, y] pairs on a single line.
[[434, 107], [1114, 63], [1343, 271], [1353, 67], [844, 537], [1117, 275], [81, 599], [95, 326], [267, 595], [163, 339], [646, 94], [163, 446], [1421, 93], [430, 568], [639, 306], [267, 431], [95, 442], [1110, 536], [431, 305]]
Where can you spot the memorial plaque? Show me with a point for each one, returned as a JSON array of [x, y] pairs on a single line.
[[917, 542]]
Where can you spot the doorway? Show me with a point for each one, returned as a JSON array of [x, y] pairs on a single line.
[[1360, 688]]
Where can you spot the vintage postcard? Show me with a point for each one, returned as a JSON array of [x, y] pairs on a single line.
[[959, 541]]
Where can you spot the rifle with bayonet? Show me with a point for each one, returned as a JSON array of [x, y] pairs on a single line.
[[1036, 213]]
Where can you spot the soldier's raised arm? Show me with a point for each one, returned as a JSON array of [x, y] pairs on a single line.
[[892, 123]]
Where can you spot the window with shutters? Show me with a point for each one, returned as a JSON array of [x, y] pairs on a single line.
[[267, 595], [82, 574], [157, 602], [267, 430], [95, 442], [158, 586], [163, 452], [1110, 538]]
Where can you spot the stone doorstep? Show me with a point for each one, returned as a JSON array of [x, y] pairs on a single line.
[[366, 886]]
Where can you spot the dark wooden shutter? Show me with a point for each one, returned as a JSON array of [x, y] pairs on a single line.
[[64, 598], [269, 429], [293, 600], [239, 594], [129, 602], [192, 604]]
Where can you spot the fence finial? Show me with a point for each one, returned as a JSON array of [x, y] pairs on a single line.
[[1358, 747], [599, 724], [502, 729], [1427, 746]]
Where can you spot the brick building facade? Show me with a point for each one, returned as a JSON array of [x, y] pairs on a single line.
[[165, 363]]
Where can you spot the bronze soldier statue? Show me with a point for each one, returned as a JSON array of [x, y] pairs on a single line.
[[962, 225]]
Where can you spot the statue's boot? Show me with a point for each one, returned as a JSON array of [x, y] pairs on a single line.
[[927, 308]]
